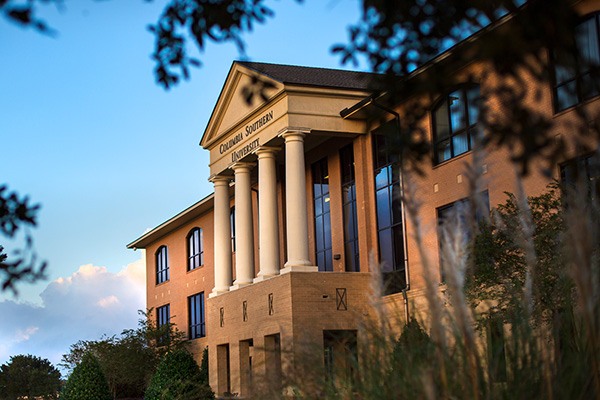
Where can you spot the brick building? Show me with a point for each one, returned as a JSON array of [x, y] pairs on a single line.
[[306, 190]]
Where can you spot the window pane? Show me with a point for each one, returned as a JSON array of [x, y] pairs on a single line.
[[396, 205], [566, 96], [586, 37], [320, 242], [460, 143], [398, 247], [382, 178], [383, 208], [386, 252], [457, 110], [589, 86], [564, 70], [443, 151], [473, 103], [442, 124]]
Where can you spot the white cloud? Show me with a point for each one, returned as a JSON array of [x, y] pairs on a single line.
[[23, 335], [90, 303]]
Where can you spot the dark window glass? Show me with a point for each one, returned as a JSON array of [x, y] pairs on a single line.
[[163, 318], [162, 265], [575, 75], [349, 209], [196, 316], [195, 249], [389, 209], [582, 171], [322, 215], [456, 215], [232, 223], [163, 315], [455, 123]]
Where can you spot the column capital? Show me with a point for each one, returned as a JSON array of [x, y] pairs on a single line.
[[240, 166], [220, 179], [293, 133], [267, 151]]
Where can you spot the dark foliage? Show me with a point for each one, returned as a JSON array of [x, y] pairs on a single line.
[[24, 13], [87, 382], [202, 20], [18, 214], [178, 377], [204, 367], [29, 376], [129, 360], [499, 266]]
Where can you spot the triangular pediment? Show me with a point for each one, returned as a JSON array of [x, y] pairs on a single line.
[[233, 106]]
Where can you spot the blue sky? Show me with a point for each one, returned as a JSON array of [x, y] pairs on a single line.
[[86, 132]]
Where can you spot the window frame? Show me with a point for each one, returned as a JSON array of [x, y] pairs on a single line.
[[195, 248], [471, 128], [196, 316], [349, 209], [322, 219], [580, 72], [395, 275], [442, 213], [161, 259]]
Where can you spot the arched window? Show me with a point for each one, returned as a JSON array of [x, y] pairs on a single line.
[[455, 123], [575, 75], [195, 249], [162, 265]]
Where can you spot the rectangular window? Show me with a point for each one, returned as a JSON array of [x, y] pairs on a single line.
[[196, 316], [232, 223], [163, 317], [582, 171], [390, 230], [349, 209], [340, 351], [456, 216], [575, 75], [322, 215]]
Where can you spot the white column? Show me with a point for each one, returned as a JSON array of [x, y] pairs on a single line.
[[222, 235], [244, 236], [268, 225], [295, 198]]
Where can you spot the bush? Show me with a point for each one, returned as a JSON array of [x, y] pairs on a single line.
[[28, 376], [87, 382], [178, 377]]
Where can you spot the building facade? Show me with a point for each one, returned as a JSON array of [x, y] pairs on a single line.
[[277, 265]]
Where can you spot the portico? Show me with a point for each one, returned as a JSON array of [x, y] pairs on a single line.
[[247, 144], [258, 168]]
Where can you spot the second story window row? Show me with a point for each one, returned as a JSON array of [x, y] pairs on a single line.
[[162, 265], [576, 75], [455, 123], [195, 249]]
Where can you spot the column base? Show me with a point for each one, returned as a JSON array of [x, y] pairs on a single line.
[[216, 292], [299, 268], [264, 277], [240, 285]]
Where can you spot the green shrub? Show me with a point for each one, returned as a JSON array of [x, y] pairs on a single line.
[[178, 377], [87, 382]]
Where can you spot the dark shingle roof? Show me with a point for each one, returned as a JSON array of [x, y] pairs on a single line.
[[312, 76]]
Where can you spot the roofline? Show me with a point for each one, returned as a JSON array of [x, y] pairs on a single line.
[[217, 102], [185, 216], [349, 111]]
